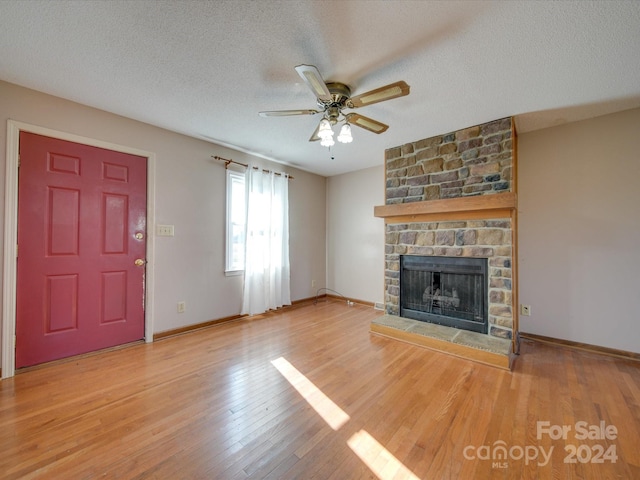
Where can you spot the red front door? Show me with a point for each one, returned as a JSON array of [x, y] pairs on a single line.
[[81, 249]]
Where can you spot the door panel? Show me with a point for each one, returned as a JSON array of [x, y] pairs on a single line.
[[61, 303], [63, 221], [114, 293], [79, 210], [113, 229]]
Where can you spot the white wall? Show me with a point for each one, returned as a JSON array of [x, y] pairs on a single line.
[[579, 231], [355, 238], [190, 194], [307, 236]]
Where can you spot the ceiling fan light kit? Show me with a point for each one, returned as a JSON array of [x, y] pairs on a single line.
[[332, 98]]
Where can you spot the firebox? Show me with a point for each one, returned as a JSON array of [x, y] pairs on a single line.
[[449, 291]]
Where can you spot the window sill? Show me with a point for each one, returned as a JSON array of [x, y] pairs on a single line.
[[233, 273]]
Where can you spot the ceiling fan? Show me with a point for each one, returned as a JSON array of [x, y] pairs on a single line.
[[332, 98]]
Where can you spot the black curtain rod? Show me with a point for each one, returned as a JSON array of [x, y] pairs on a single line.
[[227, 161]]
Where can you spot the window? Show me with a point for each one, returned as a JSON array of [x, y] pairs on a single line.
[[235, 222]]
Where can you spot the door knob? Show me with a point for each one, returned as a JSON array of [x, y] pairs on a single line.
[[139, 262]]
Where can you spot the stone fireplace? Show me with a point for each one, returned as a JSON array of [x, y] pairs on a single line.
[[453, 196], [486, 239]]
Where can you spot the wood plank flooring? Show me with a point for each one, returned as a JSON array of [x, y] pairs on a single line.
[[211, 404]]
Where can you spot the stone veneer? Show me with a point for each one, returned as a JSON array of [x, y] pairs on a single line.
[[474, 161]]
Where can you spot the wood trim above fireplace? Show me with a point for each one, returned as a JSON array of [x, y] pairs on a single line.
[[499, 205]]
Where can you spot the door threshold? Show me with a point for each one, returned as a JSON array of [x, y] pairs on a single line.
[[73, 358]]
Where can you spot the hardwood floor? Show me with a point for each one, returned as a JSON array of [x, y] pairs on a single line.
[[217, 403]]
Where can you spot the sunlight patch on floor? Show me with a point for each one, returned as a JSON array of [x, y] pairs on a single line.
[[329, 411], [379, 460]]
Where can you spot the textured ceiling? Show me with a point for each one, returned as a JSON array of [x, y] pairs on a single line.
[[205, 68]]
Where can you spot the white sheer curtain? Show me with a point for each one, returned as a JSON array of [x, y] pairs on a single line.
[[266, 268]]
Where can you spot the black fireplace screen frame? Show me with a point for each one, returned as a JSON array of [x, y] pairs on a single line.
[[446, 307]]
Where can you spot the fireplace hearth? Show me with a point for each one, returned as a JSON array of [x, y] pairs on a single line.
[[450, 291]]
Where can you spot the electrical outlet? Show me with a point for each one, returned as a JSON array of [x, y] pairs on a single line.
[[313, 283], [525, 310], [165, 230], [182, 306]]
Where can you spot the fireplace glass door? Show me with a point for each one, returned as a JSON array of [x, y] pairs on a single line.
[[449, 291]]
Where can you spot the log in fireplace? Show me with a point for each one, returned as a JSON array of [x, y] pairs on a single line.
[[449, 291]]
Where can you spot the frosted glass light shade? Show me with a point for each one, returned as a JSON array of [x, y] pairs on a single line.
[[324, 131], [345, 134], [327, 141]]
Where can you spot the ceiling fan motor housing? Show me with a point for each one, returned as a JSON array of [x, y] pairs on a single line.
[[340, 93]]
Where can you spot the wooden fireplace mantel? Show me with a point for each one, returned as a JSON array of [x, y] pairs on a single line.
[[499, 205]]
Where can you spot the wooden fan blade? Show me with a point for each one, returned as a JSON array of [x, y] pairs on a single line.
[[366, 123], [315, 137], [393, 90], [314, 81], [283, 113]]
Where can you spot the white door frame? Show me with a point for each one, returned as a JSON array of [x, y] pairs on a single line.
[[9, 287]]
